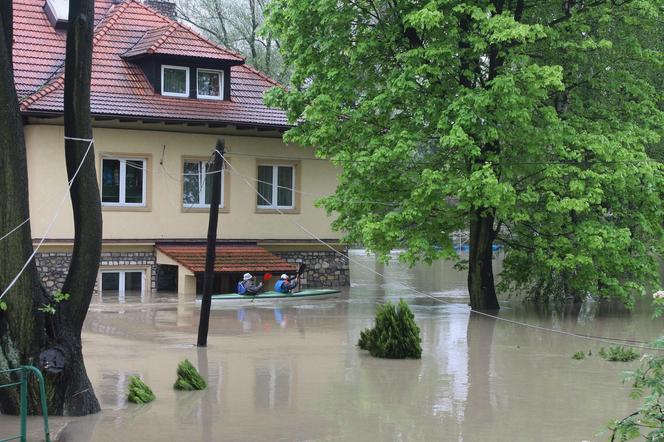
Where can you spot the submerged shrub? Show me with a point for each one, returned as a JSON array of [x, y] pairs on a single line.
[[579, 355], [139, 392], [647, 422], [619, 354], [395, 334], [188, 377]]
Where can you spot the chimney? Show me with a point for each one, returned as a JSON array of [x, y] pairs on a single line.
[[163, 7]]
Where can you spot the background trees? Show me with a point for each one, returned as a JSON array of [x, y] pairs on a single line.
[[526, 123], [237, 24]]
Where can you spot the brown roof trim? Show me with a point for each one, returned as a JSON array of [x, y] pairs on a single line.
[[147, 119]]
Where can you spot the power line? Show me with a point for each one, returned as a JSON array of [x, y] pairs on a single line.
[[510, 321]]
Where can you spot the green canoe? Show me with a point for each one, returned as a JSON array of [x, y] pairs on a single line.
[[307, 293]]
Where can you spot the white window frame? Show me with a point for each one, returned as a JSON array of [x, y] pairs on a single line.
[[275, 186], [121, 281], [123, 183], [221, 85], [203, 164], [174, 94]]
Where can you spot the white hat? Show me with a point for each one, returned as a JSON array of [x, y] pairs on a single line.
[[247, 276], [284, 276]]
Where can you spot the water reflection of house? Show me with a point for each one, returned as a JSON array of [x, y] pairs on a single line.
[[161, 97]]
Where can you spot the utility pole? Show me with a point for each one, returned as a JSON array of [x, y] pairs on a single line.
[[210, 255]]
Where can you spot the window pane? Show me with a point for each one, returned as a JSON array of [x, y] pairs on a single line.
[[264, 186], [134, 181], [110, 281], [175, 81], [208, 188], [191, 186], [110, 181], [209, 83], [285, 183], [133, 281]]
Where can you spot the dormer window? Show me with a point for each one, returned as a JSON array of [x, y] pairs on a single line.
[[174, 81], [210, 84]]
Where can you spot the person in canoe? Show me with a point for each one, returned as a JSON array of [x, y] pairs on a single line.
[[248, 285], [284, 285]]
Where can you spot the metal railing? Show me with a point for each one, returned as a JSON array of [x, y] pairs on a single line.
[[24, 372]]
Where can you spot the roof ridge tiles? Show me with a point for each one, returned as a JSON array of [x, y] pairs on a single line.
[[171, 28]]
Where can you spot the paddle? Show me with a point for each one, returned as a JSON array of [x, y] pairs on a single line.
[[300, 271]]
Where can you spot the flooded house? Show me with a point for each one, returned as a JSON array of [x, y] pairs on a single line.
[[161, 97]]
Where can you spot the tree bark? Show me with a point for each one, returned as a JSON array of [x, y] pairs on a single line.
[[21, 323], [76, 395], [481, 286]]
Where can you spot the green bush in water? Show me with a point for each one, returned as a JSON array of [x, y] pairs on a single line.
[[619, 354], [188, 377], [579, 355], [139, 392], [395, 335]]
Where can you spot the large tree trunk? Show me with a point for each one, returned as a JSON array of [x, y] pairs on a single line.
[[76, 395], [481, 286], [21, 324], [25, 332]]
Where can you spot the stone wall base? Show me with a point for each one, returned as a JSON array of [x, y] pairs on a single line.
[[53, 266], [324, 268]]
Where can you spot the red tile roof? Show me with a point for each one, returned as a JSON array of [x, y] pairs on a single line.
[[236, 259], [175, 39], [119, 87]]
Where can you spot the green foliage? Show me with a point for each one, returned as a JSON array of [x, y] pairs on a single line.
[[619, 354], [579, 355], [3, 306], [442, 111], [188, 377], [395, 334], [57, 298], [139, 392], [648, 385]]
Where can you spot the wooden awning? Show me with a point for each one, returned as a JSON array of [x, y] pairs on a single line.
[[229, 258]]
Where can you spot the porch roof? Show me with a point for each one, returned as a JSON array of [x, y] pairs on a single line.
[[229, 258]]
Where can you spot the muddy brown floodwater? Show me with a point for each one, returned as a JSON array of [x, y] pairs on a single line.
[[290, 371]]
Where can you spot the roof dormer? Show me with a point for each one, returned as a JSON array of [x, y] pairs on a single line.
[[180, 63]]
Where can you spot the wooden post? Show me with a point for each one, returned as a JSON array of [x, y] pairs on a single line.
[[210, 255]]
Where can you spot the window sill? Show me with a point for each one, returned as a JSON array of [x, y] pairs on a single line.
[[293, 211], [105, 208], [203, 210]]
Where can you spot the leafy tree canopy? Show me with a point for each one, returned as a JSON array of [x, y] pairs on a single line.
[[534, 115]]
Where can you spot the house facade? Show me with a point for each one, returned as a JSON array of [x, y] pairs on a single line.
[[161, 97]]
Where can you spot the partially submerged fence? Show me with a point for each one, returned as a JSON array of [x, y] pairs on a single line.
[[24, 374]]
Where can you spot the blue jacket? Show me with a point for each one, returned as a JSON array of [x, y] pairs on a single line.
[[284, 287]]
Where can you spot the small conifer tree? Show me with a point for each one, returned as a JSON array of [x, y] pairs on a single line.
[[395, 334], [139, 392], [188, 377]]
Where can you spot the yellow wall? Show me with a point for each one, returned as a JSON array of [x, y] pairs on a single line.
[[165, 217]]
